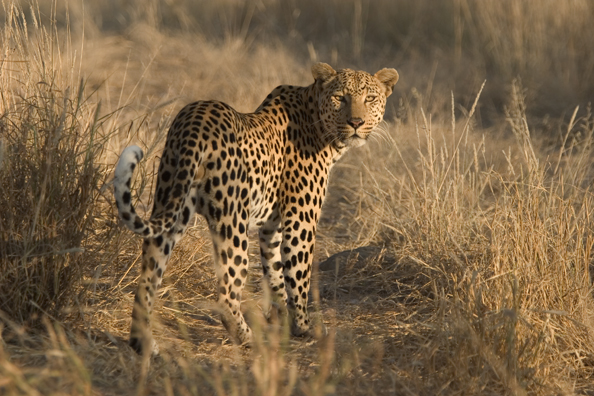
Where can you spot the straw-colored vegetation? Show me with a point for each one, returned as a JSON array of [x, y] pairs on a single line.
[[454, 249]]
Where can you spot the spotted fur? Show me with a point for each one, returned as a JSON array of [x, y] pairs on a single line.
[[267, 169]]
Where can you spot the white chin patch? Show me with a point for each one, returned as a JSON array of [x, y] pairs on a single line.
[[356, 141]]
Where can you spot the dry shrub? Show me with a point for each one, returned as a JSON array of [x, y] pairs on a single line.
[[51, 144]]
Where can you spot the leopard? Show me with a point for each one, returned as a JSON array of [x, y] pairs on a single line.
[[267, 169]]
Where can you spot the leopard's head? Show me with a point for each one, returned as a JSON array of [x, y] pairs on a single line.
[[351, 103]]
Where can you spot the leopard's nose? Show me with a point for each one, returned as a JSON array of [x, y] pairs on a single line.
[[355, 122]]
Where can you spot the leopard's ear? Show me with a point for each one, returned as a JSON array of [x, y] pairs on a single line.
[[388, 77], [322, 71]]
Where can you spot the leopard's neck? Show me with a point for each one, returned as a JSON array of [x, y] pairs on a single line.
[[311, 97]]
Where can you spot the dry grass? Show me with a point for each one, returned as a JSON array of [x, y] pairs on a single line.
[[52, 138], [454, 250]]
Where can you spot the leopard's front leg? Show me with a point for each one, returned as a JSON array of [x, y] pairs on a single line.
[[270, 238], [230, 243], [297, 249]]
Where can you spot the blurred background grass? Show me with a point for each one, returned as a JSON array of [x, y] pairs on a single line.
[[440, 46]]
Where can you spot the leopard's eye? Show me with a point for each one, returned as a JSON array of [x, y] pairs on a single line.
[[338, 98], [370, 98]]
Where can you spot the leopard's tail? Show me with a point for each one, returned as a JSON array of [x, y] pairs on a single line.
[[123, 197]]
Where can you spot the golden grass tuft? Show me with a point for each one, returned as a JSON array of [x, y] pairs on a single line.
[[499, 255], [52, 142]]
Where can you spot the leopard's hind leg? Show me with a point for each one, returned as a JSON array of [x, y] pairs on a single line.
[[155, 255]]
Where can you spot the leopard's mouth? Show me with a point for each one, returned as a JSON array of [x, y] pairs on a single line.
[[347, 136], [353, 138], [358, 140]]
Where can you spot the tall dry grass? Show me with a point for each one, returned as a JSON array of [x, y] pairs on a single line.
[[470, 233], [52, 142], [497, 249]]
